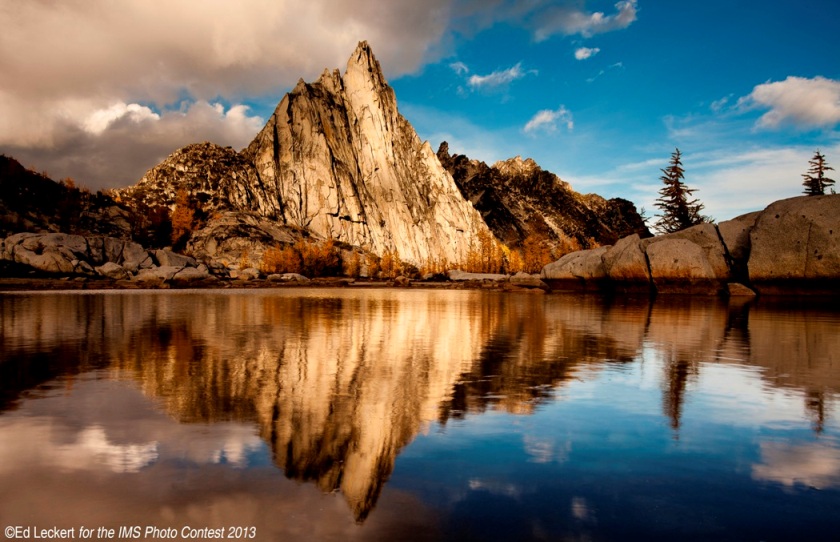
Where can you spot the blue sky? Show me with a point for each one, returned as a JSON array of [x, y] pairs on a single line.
[[599, 92]]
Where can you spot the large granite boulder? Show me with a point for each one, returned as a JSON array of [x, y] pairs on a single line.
[[626, 264], [706, 237], [693, 260], [795, 246], [582, 269], [681, 266]]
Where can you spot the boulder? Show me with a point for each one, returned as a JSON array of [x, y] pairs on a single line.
[[112, 270], [795, 246], [681, 266], [135, 257], [249, 273], [704, 236], [55, 253], [190, 274], [525, 280], [581, 269], [157, 274], [166, 257], [294, 277], [626, 265], [461, 276], [402, 281]]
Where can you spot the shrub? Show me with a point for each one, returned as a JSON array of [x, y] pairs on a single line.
[[305, 257], [280, 260]]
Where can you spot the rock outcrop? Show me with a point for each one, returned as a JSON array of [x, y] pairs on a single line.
[[518, 199], [336, 160], [790, 247]]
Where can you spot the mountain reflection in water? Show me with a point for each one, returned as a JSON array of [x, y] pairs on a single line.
[[339, 382]]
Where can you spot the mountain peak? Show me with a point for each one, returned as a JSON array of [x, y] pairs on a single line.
[[363, 63], [517, 166]]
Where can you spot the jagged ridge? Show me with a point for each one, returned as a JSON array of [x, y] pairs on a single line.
[[517, 199]]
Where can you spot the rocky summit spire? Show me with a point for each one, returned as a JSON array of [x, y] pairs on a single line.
[[337, 158]]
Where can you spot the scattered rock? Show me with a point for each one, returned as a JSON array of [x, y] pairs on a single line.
[[247, 274]]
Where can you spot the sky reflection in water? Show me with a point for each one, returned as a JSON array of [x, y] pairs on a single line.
[[334, 414]]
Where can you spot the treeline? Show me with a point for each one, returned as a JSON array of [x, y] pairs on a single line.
[[680, 210], [485, 255]]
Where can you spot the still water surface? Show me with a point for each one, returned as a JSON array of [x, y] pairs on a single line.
[[420, 415]]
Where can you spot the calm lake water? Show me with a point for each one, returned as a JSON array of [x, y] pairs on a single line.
[[420, 415]]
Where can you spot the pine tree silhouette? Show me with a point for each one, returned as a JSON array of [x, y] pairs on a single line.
[[815, 181], [678, 211]]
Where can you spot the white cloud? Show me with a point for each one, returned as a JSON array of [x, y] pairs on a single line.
[[583, 53], [547, 120], [718, 105], [807, 103], [460, 68], [569, 20], [98, 121], [115, 145], [72, 70], [497, 78]]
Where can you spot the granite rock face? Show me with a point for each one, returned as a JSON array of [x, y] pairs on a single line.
[[336, 160], [345, 165]]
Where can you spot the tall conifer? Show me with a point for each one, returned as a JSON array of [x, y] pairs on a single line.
[[678, 211]]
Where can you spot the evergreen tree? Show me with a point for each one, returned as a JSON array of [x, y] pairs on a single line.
[[678, 211], [815, 181]]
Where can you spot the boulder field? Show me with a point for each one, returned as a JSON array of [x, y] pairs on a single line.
[[61, 254], [791, 247]]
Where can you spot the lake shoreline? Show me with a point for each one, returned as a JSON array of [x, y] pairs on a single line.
[[13, 284]]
